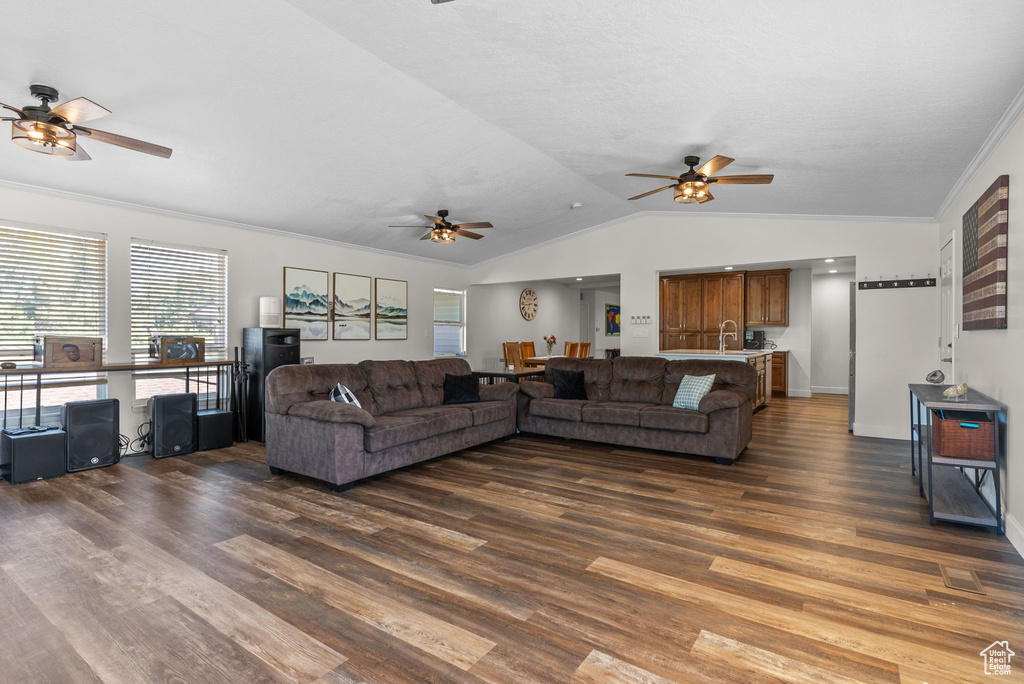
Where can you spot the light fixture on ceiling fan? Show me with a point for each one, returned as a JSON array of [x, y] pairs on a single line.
[[694, 186], [444, 232], [55, 131]]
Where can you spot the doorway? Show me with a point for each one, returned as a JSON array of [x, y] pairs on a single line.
[[586, 322]]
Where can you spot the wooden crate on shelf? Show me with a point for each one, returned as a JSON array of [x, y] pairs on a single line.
[[963, 434]]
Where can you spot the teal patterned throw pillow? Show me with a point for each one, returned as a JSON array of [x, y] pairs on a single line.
[[691, 390]]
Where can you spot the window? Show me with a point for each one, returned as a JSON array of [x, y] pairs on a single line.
[[449, 322], [51, 283], [180, 291]]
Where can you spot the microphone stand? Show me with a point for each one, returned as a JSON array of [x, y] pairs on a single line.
[[239, 398]]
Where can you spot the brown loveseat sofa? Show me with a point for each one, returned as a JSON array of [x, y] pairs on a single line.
[[629, 402], [402, 419]]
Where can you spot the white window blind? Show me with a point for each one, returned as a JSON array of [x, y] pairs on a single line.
[[179, 291], [449, 322], [51, 283]]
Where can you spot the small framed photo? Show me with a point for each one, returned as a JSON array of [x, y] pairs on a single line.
[[178, 351], [69, 352]]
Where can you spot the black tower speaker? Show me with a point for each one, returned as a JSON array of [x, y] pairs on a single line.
[[214, 429], [265, 350], [173, 430], [94, 433], [30, 454]]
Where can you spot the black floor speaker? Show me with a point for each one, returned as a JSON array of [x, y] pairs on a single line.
[[173, 427], [214, 428], [32, 454], [94, 433], [265, 350]]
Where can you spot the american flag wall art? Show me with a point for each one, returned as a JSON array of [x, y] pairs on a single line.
[[984, 259]]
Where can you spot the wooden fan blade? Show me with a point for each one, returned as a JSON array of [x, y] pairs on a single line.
[[714, 165], [434, 219], [427, 236], [654, 191], [466, 233], [79, 109], [475, 226], [13, 109], [651, 175], [408, 226], [80, 153], [125, 142], [752, 179]]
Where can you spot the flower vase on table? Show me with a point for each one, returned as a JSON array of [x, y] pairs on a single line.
[[550, 341]]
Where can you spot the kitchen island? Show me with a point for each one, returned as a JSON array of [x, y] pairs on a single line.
[[760, 359]]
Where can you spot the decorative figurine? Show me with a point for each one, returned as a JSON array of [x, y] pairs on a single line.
[[935, 377], [955, 391]]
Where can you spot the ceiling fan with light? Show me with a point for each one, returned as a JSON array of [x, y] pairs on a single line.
[[444, 232], [55, 131], [694, 187]]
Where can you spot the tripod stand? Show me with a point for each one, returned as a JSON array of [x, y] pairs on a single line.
[[239, 397]]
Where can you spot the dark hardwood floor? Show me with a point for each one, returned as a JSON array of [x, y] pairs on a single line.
[[531, 560]]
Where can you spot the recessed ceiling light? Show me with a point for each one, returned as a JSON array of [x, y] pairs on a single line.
[[833, 271], [576, 205], [829, 261], [579, 279], [728, 268]]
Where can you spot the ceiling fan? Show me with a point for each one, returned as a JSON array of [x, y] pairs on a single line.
[[444, 232], [55, 131], [694, 187]]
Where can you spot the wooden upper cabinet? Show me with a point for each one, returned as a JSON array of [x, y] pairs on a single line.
[[723, 300], [692, 304], [768, 297]]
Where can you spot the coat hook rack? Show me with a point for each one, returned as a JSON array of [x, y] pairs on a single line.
[[896, 283]]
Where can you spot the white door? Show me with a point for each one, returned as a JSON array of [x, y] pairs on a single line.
[[947, 309]]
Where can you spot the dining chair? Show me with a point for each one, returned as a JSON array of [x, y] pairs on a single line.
[[571, 349], [584, 350], [529, 351], [513, 353]]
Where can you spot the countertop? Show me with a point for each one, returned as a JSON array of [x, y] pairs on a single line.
[[730, 355]]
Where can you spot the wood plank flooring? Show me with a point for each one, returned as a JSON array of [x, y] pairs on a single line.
[[532, 560]]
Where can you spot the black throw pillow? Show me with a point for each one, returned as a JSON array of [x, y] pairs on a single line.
[[568, 384], [461, 389]]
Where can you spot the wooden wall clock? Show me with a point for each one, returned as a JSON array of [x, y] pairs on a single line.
[[528, 304]]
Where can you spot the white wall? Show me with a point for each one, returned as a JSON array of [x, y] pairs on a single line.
[[493, 317], [896, 328], [989, 360], [255, 269], [795, 337], [830, 333]]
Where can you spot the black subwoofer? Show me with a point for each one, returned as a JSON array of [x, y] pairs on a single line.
[[93, 429], [214, 429], [31, 454], [173, 426]]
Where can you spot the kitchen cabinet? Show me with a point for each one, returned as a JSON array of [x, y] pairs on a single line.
[[693, 306], [767, 297], [780, 372]]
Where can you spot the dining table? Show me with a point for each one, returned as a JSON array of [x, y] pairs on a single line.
[[534, 361], [490, 374]]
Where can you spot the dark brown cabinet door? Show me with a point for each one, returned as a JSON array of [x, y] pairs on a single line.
[[732, 301], [780, 380], [692, 304], [712, 303], [671, 306], [755, 299], [776, 299]]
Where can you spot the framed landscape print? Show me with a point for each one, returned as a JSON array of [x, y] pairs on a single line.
[[305, 302], [611, 320], [353, 306], [392, 309]]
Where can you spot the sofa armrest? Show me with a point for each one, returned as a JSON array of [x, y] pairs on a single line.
[[332, 412], [721, 399], [537, 390], [503, 391]]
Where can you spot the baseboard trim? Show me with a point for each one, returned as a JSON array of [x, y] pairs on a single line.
[[1015, 533], [806, 394], [830, 390]]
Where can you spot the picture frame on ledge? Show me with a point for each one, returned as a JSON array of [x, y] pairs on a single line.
[[177, 351], [353, 307], [392, 309], [68, 352], [306, 302]]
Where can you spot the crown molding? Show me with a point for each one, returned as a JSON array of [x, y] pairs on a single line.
[[1002, 127], [65, 194]]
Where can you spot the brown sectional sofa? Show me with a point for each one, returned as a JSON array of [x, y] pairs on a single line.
[[402, 421], [629, 402]]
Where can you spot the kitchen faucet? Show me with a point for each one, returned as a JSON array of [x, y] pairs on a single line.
[[722, 334]]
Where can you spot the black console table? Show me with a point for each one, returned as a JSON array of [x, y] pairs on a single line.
[[953, 495]]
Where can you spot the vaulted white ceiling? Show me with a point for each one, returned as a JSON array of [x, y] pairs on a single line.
[[335, 118]]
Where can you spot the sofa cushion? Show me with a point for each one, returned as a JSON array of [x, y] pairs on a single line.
[[597, 374], [537, 390], [461, 389], [294, 383], [563, 409], [430, 376], [332, 412], [568, 384], [721, 399], [638, 378], [412, 425], [393, 385], [670, 418], [729, 375], [490, 411], [614, 412]]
